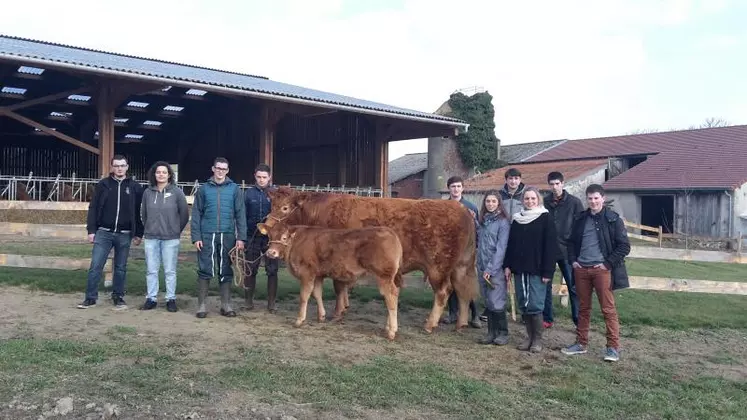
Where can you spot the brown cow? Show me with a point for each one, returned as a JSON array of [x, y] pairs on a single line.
[[437, 236], [313, 253]]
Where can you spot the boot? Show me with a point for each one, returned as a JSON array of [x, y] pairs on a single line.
[[249, 284], [501, 327], [474, 320], [202, 292], [453, 305], [527, 343], [272, 292], [492, 330], [225, 299], [537, 338]]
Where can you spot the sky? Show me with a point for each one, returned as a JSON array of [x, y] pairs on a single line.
[[556, 70]]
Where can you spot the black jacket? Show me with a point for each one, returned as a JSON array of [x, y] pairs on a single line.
[[532, 247], [100, 194], [613, 240], [562, 212]]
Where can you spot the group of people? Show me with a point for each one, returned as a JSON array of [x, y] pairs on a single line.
[[522, 235], [122, 213]]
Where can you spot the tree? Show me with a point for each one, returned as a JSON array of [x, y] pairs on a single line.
[[477, 147], [712, 122]]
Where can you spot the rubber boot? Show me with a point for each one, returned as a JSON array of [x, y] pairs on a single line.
[[453, 305], [225, 299], [501, 327], [527, 343], [272, 292], [474, 320], [492, 330], [249, 284], [536, 322], [202, 292]]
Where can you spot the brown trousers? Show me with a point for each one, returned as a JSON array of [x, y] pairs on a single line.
[[600, 280]]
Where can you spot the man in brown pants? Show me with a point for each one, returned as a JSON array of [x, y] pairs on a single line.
[[597, 248]]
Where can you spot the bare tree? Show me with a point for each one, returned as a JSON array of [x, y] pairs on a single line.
[[642, 131], [711, 122]]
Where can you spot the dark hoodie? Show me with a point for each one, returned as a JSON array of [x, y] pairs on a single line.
[[165, 214], [512, 203]]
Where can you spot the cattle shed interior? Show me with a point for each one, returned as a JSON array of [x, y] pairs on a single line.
[[69, 117]]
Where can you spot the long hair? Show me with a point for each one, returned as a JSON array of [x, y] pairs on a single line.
[[540, 199], [152, 173], [500, 211]]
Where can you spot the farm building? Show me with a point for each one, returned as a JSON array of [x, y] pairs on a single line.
[[408, 174], [66, 111], [690, 182]]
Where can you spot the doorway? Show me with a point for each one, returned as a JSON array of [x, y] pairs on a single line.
[[658, 210]]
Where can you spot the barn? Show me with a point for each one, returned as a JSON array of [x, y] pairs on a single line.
[[65, 111]]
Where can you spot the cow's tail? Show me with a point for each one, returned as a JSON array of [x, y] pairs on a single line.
[[398, 281], [464, 276]]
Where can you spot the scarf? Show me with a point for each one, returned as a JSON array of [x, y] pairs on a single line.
[[528, 216]]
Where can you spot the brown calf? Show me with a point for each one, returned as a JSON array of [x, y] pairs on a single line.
[[313, 253], [437, 236]]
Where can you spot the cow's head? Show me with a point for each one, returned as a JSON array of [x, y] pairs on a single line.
[[280, 237], [284, 202]]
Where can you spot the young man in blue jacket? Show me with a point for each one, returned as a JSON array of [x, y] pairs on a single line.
[[258, 206], [218, 223]]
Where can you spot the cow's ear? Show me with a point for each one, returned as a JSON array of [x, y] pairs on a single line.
[[300, 198], [262, 228], [293, 234]]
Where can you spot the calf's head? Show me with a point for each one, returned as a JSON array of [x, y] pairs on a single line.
[[284, 201], [280, 236]]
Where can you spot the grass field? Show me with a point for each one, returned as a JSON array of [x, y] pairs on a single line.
[[684, 356]]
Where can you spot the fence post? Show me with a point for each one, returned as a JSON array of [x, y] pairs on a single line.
[[661, 236]]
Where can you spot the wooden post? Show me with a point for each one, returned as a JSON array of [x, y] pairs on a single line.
[[382, 166], [105, 110], [661, 236], [268, 120]]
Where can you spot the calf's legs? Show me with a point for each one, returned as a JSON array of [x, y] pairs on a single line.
[[390, 292], [307, 286], [321, 313]]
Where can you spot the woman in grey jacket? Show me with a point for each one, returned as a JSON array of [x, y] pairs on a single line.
[[492, 238], [165, 214]]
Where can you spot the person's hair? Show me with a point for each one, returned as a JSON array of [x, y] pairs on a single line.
[[453, 180], [262, 167], [220, 160], [152, 173], [540, 200], [554, 176], [595, 188], [500, 211], [512, 172], [118, 157]]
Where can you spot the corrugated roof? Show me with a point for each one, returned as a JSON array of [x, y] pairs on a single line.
[[701, 158], [534, 174], [27, 50], [514, 153], [407, 165]]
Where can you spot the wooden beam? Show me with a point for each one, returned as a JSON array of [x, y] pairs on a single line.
[[45, 99], [269, 118], [51, 132], [382, 165]]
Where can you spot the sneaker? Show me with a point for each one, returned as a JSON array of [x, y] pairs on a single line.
[[171, 305], [574, 349], [611, 355], [119, 303], [149, 304], [88, 303]]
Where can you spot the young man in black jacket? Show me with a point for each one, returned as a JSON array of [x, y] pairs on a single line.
[[597, 248], [563, 208], [113, 222]]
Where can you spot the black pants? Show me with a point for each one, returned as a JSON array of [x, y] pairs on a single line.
[[255, 252], [454, 308]]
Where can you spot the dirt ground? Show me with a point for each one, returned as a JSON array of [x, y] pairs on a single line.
[[26, 314]]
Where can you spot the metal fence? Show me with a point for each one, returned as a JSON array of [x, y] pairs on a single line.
[[81, 189]]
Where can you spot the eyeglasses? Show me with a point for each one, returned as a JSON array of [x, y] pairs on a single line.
[[119, 166], [218, 168]]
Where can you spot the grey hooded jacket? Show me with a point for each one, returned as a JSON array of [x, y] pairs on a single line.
[[165, 214]]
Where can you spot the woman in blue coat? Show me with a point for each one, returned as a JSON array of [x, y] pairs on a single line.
[[492, 237]]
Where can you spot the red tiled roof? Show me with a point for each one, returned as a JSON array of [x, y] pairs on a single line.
[[702, 158], [533, 174]]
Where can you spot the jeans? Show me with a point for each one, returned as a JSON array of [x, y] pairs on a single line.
[[588, 279], [566, 269], [530, 293], [157, 251], [103, 243]]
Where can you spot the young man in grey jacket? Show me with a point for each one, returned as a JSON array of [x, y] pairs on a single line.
[[165, 214]]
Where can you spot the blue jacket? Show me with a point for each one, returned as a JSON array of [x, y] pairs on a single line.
[[257, 205], [218, 208], [492, 238]]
